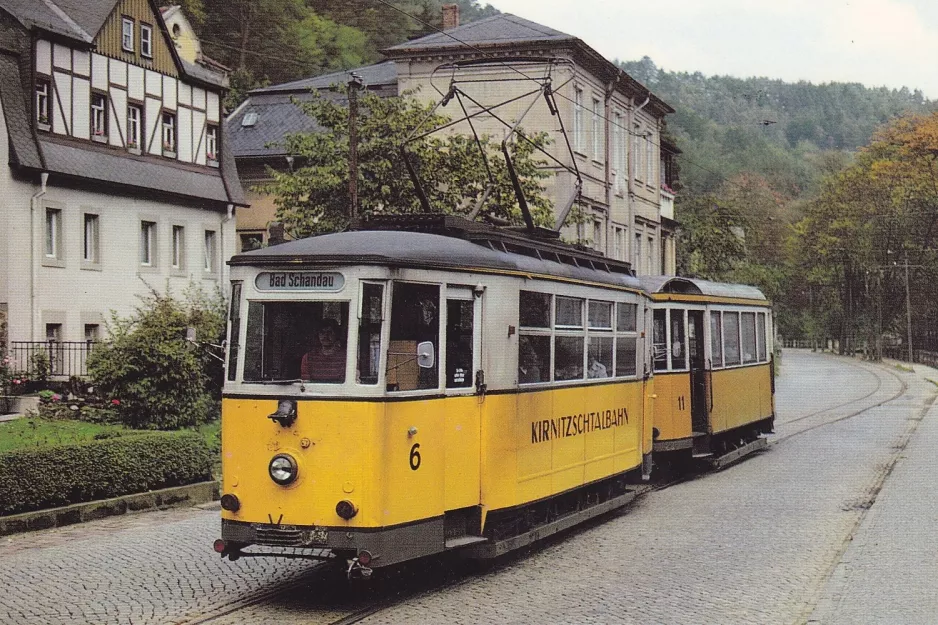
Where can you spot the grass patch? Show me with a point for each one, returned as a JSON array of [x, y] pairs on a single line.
[[904, 368], [34, 432], [932, 381]]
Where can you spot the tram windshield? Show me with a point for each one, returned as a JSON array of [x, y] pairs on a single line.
[[301, 341]]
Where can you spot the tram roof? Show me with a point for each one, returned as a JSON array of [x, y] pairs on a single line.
[[693, 286], [395, 248]]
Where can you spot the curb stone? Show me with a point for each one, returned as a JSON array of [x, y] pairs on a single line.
[[179, 496]]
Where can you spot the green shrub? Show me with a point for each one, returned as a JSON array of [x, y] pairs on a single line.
[[160, 380], [48, 477]]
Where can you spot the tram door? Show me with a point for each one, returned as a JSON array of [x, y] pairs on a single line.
[[698, 371], [462, 364]]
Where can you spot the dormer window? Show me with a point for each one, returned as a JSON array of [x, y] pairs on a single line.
[[43, 110], [169, 135], [127, 34], [99, 117], [211, 144], [146, 40]]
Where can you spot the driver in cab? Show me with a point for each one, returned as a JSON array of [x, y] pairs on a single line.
[[325, 361]]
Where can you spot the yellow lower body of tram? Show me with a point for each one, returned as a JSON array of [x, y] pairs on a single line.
[[423, 475]]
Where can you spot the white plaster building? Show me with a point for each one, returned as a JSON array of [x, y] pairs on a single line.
[[118, 178]]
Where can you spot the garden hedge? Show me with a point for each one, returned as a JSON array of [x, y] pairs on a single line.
[[48, 477]]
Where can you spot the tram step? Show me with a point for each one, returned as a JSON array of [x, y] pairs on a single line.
[[704, 455], [462, 541]]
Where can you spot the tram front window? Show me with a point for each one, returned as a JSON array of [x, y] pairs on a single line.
[[296, 341]]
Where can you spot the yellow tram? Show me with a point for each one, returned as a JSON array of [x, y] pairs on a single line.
[[418, 386], [713, 368]]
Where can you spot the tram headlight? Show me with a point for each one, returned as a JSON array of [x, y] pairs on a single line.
[[282, 469]]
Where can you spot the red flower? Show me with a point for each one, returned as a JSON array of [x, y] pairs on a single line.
[[116, 402]]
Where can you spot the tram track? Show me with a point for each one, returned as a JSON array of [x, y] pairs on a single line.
[[903, 387]]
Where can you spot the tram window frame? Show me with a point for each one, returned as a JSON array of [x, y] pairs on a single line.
[[626, 339], [569, 338], [407, 328], [600, 342], [716, 339], [535, 337], [731, 357], [370, 326], [748, 342], [761, 337], [681, 340], [293, 334], [659, 341], [234, 330]]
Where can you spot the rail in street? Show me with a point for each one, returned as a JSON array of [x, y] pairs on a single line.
[[799, 533]]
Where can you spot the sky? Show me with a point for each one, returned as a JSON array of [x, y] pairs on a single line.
[[892, 43]]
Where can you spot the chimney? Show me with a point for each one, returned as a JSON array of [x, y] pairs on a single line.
[[450, 16]]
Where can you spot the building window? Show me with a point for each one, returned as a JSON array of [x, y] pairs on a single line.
[[651, 256], [210, 251], [92, 332], [148, 243], [578, 119], [146, 40], [649, 161], [134, 126], [169, 134], [90, 239], [251, 241], [637, 253], [637, 153], [598, 235], [617, 152], [53, 233], [98, 116], [43, 100], [127, 34], [211, 143], [179, 247], [597, 130]]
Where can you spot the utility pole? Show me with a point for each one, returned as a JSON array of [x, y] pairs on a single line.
[[908, 304], [354, 84]]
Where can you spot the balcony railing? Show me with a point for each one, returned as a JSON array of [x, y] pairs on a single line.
[[65, 358]]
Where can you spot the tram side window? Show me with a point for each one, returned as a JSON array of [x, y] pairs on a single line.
[[234, 329], [678, 340], [415, 319], [760, 335], [369, 332], [296, 341], [626, 315], [458, 343], [660, 340], [534, 348], [568, 339], [533, 358], [731, 337], [716, 340], [600, 344], [749, 337]]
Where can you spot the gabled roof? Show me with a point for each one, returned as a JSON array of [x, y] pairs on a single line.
[[379, 74], [275, 114], [502, 29], [505, 34]]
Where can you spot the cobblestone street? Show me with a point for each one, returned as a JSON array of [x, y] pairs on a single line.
[[816, 529]]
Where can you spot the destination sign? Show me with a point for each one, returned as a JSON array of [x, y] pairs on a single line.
[[299, 281]]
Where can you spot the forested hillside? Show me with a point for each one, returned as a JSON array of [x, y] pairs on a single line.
[[275, 41], [727, 125]]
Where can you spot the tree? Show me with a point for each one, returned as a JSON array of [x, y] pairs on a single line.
[[159, 379], [313, 198]]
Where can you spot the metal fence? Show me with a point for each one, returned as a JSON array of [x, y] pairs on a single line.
[[65, 358]]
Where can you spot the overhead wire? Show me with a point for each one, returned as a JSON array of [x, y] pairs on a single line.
[[560, 95]]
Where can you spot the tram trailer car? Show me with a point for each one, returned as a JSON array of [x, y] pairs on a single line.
[[713, 368], [492, 392]]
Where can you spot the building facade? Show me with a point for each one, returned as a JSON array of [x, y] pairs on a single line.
[[118, 178], [613, 122]]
